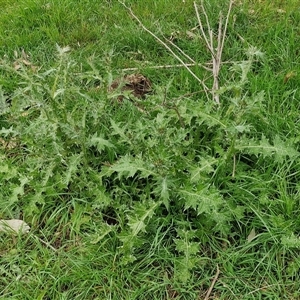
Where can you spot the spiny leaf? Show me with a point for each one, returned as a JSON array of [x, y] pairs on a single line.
[[62, 50], [189, 250], [7, 131], [280, 149], [291, 241], [204, 167], [162, 189], [32, 208], [101, 233], [141, 212], [182, 272], [203, 200], [100, 143], [207, 114], [100, 198], [73, 163], [7, 171], [136, 225], [137, 220], [240, 128], [128, 166], [18, 190], [284, 149], [119, 129]]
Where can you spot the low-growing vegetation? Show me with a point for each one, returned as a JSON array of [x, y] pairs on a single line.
[[187, 191]]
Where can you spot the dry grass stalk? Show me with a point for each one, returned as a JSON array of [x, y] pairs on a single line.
[[165, 67], [179, 66], [212, 284], [216, 52]]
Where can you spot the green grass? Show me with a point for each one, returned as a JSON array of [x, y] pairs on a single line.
[[146, 199]]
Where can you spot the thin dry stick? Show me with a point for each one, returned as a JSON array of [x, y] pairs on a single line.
[[219, 48], [227, 287], [221, 41], [181, 51], [209, 41], [206, 89], [217, 61], [188, 57], [179, 66], [45, 243], [212, 284], [165, 67], [225, 27], [48, 245], [261, 288], [208, 45]]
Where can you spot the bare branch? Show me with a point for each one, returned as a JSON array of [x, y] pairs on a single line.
[[169, 67], [216, 54], [212, 284], [181, 51], [220, 33], [209, 46], [225, 27], [188, 57]]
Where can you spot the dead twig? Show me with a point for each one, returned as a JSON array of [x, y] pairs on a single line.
[[261, 289], [47, 244], [181, 66], [216, 52], [212, 284], [180, 50], [188, 57], [165, 67]]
